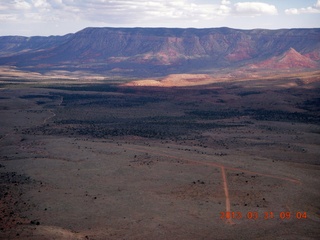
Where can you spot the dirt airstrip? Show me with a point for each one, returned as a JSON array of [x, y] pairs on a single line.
[[235, 160]]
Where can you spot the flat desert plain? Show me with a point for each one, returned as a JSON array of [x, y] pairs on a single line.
[[227, 160]]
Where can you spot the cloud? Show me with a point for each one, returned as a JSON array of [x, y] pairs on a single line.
[[41, 4], [128, 13], [21, 5], [254, 8], [8, 17], [131, 12], [145, 12], [313, 9], [225, 2]]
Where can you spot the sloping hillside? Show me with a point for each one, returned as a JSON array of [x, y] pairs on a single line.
[[161, 51]]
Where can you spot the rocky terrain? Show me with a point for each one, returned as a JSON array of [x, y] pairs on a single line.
[[225, 160], [141, 133], [161, 51]]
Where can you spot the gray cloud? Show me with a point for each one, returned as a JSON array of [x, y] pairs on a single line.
[[124, 11], [63, 16], [313, 9]]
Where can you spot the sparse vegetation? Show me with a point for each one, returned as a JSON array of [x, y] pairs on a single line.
[[71, 154]]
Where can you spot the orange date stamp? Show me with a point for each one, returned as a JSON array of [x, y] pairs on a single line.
[[265, 215]]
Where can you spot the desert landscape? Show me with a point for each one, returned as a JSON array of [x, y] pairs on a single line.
[[159, 133], [160, 158]]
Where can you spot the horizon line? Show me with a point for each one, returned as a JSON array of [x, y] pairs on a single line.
[[185, 28]]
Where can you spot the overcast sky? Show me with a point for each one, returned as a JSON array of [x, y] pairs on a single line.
[[59, 17]]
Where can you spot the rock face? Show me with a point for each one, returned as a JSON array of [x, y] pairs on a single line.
[[13, 45], [157, 50], [288, 60]]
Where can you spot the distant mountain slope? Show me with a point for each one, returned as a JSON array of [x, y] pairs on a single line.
[[287, 60], [13, 45], [158, 50]]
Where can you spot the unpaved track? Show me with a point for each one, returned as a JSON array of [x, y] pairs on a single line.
[[52, 112], [221, 167], [226, 192]]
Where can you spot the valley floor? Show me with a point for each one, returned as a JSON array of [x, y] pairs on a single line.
[[222, 161]]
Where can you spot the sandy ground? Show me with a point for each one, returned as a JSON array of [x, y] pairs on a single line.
[[60, 186], [183, 80]]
